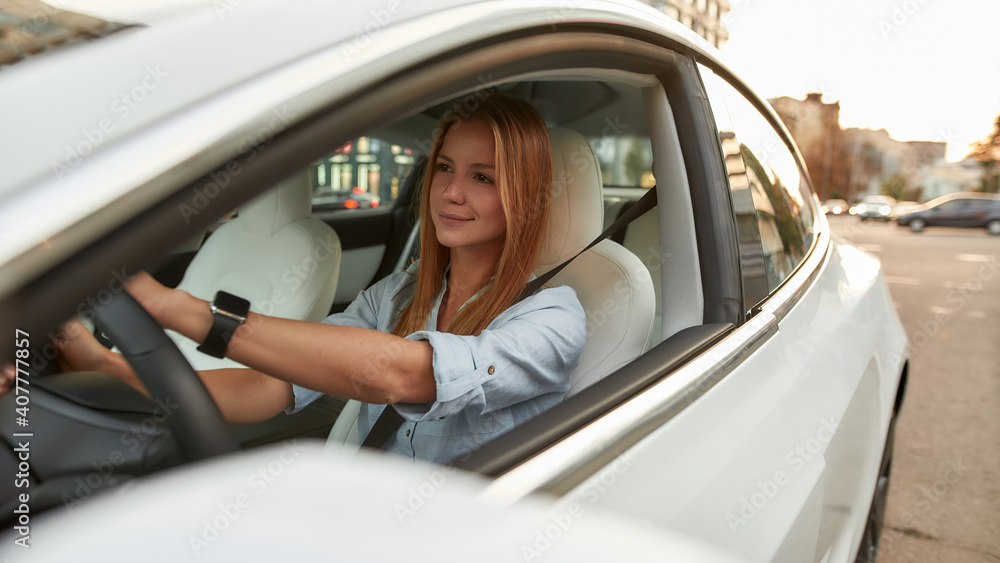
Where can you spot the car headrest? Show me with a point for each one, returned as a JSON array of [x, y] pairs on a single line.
[[577, 212], [288, 202]]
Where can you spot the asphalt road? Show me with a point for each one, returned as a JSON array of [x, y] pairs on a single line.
[[944, 491]]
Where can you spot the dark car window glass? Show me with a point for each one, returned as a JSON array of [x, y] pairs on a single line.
[[980, 204], [361, 174], [781, 196], [755, 287], [953, 205]]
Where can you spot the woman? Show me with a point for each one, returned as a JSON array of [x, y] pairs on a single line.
[[452, 350]]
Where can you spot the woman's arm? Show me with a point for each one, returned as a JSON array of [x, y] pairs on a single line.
[[243, 395], [356, 363]]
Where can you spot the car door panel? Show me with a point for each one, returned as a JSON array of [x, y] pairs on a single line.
[[757, 462], [766, 462]]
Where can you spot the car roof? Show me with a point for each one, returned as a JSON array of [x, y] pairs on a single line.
[[965, 195], [104, 101], [189, 58]]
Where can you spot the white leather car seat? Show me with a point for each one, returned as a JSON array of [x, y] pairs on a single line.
[[613, 285], [274, 254]]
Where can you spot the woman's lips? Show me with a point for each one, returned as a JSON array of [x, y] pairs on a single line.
[[449, 219]]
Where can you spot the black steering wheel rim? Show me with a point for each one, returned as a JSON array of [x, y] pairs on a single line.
[[197, 424]]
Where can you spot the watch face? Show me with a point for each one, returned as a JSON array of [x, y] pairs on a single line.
[[231, 303]]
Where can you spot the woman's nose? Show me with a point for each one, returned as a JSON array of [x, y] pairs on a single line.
[[453, 191]]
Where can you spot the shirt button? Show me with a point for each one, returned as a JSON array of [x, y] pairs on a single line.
[[407, 432], [491, 370]]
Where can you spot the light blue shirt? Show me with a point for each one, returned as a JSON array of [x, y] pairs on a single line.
[[518, 367]]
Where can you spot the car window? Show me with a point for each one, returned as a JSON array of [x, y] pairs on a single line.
[[774, 182], [364, 173], [626, 160], [980, 204], [953, 205]]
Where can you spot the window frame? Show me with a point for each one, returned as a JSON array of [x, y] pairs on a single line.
[[787, 293]]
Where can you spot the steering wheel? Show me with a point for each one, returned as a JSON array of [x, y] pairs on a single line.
[[197, 425]]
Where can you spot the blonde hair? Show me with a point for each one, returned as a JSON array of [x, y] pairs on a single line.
[[523, 164]]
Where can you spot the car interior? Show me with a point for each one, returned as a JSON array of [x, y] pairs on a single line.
[[614, 138], [603, 155]]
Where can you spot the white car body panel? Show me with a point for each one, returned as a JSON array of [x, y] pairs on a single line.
[[292, 502], [690, 454], [741, 432], [719, 461]]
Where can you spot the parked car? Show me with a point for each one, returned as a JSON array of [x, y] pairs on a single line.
[[874, 207], [835, 207], [972, 210], [355, 198], [743, 371]]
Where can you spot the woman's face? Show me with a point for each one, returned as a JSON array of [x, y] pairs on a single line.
[[465, 204]]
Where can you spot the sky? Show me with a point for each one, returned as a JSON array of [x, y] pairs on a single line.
[[921, 69]]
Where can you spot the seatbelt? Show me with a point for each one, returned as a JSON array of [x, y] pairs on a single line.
[[386, 425], [644, 204], [390, 420]]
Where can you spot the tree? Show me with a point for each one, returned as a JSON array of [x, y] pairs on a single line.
[[987, 152], [895, 187]]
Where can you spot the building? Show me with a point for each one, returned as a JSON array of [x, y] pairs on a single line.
[[944, 178], [815, 127], [31, 27], [704, 17], [873, 158]]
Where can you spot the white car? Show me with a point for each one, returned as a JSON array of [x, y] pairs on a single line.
[[743, 370]]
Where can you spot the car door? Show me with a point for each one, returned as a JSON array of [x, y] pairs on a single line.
[[951, 213], [761, 429], [975, 214]]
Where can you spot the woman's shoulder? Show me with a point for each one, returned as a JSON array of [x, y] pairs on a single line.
[[548, 297]]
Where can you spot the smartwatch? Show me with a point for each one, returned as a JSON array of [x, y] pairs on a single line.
[[228, 313]]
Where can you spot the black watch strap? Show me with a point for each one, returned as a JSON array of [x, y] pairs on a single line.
[[228, 313]]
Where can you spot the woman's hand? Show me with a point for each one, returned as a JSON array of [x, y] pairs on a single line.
[[155, 297], [7, 378], [80, 351]]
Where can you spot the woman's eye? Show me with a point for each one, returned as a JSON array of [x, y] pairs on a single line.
[[443, 167], [484, 178]]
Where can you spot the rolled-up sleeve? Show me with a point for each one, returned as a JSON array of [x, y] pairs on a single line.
[[528, 351]]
